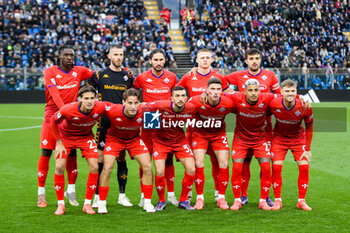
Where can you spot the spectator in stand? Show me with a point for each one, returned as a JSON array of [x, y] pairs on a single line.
[[166, 15], [316, 83], [346, 82]]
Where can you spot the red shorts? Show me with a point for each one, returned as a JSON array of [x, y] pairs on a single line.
[[217, 142], [161, 150], [147, 136], [47, 140], [279, 151], [115, 145], [240, 149], [87, 146]]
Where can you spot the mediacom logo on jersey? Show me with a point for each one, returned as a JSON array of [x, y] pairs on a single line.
[[152, 120]]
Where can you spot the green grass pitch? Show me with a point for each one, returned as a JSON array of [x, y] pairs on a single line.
[[328, 194]]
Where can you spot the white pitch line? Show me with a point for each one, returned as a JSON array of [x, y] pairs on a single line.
[[22, 117], [14, 129]]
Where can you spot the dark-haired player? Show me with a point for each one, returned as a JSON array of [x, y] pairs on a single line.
[[124, 134], [111, 84], [62, 83], [72, 128], [268, 82], [156, 84]]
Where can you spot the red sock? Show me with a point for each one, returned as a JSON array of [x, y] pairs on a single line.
[[277, 179], [187, 183], [91, 185], [223, 178], [170, 177], [303, 180], [43, 168], [160, 186], [141, 174], [245, 178], [59, 186], [103, 192], [72, 169], [236, 179], [199, 180], [215, 169], [148, 189], [265, 179]]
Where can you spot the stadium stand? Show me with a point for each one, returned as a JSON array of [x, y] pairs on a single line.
[[31, 32]]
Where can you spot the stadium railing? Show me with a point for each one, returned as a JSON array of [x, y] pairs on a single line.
[[32, 78]]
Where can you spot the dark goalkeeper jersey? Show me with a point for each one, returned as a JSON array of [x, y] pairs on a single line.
[[111, 85]]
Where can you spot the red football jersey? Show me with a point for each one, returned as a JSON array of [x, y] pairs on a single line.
[[289, 121], [267, 80], [250, 119], [76, 123], [155, 88], [215, 113], [67, 84], [122, 126], [172, 123], [197, 84]]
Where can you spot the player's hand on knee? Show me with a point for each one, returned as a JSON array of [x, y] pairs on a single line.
[[59, 150], [307, 155]]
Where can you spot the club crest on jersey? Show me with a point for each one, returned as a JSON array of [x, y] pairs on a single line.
[[139, 119], [166, 80], [151, 120], [149, 80], [74, 74], [222, 109], [102, 144], [264, 77], [95, 115], [126, 78], [261, 105], [108, 148], [58, 76], [297, 113], [53, 81]]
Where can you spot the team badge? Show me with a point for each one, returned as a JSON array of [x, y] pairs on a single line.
[[108, 148], [102, 144], [261, 105], [166, 80], [222, 109], [95, 116], [126, 78], [139, 119], [264, 77], [74, 74], [297, 113]]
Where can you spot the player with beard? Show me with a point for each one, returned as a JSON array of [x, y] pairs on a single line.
[[156, 84], [268, 82], [111, 84], [62, 83]]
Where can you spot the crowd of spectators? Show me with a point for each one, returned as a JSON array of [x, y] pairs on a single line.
[[31, 32], [304, 33]]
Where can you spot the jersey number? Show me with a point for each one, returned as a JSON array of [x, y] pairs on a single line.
[[267, 148], [92, 144]]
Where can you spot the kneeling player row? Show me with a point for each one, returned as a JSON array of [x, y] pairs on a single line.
[[251, 109]]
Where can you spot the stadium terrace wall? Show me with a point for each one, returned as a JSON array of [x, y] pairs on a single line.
[[38, 96]]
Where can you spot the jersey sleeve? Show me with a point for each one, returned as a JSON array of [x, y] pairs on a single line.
[[50, 85], [93, 81], [183, 81], [57, 118], [275, 86], [231, 78], [85, 73], [137, 83], [225, 84]]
